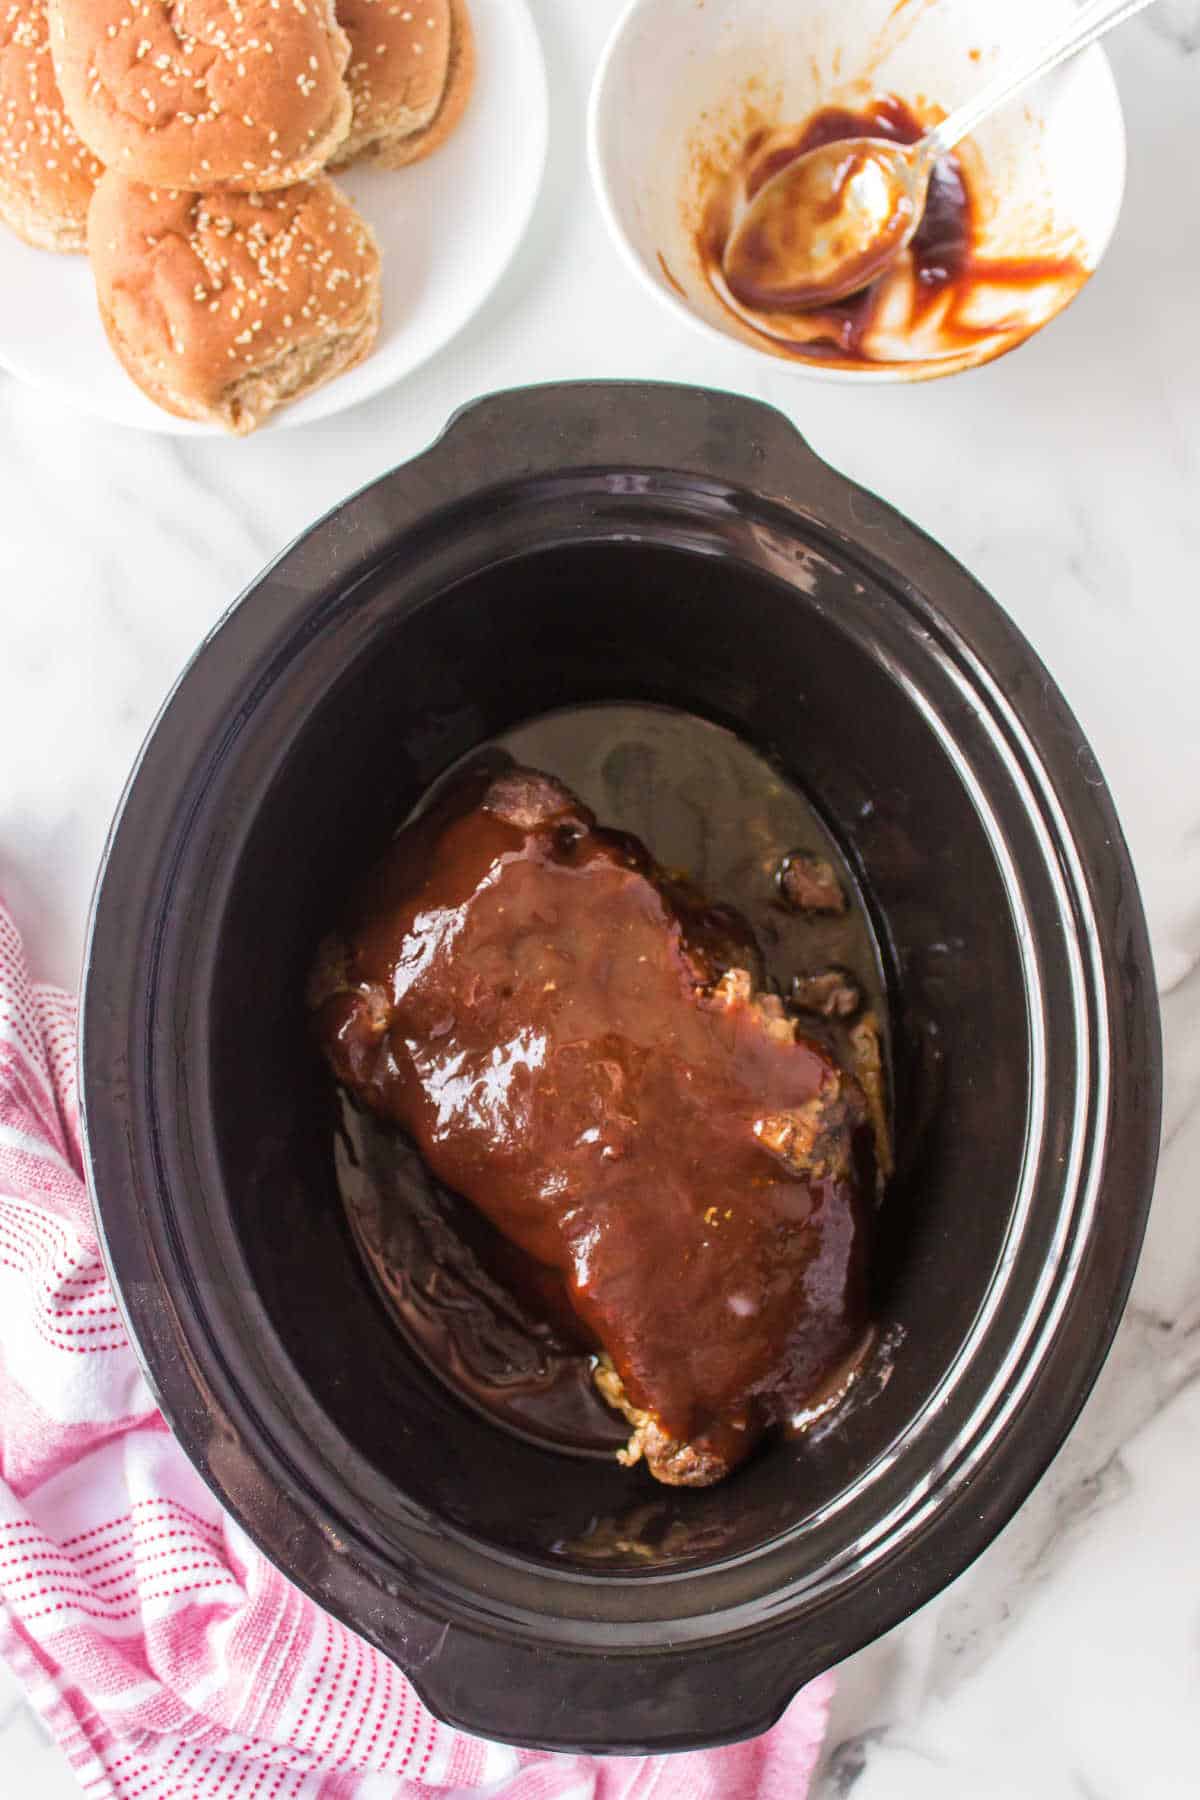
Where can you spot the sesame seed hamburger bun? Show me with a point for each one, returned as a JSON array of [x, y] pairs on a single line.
[[225, 306], [412, 68], [46, 173], [204, 94]]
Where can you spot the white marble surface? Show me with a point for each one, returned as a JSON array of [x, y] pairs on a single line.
[[1067, 1661]]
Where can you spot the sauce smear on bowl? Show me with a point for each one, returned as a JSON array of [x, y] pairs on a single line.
[[940, 297]]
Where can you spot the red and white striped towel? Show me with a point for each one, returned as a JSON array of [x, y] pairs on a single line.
[[166, 1654]]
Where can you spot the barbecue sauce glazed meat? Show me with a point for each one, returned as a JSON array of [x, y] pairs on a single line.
[[571, 1038]]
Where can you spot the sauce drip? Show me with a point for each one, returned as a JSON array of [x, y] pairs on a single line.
[[493, 1323]]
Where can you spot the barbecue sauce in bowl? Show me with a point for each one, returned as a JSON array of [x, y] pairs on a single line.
[[930, 304]]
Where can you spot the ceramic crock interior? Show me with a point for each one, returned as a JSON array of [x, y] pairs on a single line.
[[414, 690]]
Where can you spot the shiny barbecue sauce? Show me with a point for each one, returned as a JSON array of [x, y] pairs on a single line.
[[940, 270], [531, 999]]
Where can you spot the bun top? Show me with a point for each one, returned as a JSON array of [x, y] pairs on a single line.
[[399, 60], [246, 94], [45, 171], [198, 290]]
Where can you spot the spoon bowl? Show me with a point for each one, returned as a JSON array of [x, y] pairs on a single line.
[[826, 224]]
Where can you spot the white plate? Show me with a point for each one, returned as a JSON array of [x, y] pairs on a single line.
[[448, 228]]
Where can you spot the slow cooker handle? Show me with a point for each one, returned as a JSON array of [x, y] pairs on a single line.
[[640, 426]]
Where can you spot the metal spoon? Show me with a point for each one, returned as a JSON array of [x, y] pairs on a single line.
[[831, 221]]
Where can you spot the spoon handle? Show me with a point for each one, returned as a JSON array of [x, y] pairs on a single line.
[[1081, 32]]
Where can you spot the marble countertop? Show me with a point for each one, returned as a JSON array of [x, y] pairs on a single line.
[[1066, 1662]]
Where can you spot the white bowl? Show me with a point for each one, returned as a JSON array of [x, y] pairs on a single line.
[[682, 82]]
